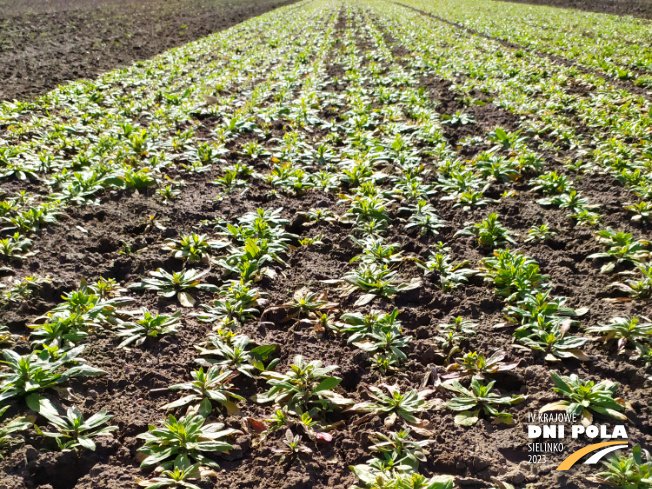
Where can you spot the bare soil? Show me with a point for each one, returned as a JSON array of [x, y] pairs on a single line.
[[635, 8], [45, 44]]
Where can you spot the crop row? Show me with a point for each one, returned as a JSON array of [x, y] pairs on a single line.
[[340, 128]]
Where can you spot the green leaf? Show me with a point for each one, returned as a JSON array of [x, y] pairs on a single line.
[[467, 418], [262, 353], [205, 408], [327, 384], [86, 443], [34, 402]]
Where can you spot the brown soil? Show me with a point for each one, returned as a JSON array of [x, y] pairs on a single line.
[[45, 44], [635, 8], [474, 455]]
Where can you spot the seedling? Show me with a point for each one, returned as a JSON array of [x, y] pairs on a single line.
[[399, 446], [187, 436], [61, 329], [586, 396], [552, 339], [459, 118], [375, 250], [453, 333], [475, 365], [307, 387], [359, 325], [34, 372], [641, 288], [72, 431], [7, 429], [424, 218], [175, 284], [150, 326], [396, 405], [490, 233], [551, 183], [238, 302], [178, 475], [16, 247], [293, 446], [379, 480], [376, 280], [194, 248], [538, 234], [233, 354], [633, 331], [207, 386], [449, 274], [622, 249], [633, 471], [505, 139], [642, 211], [479, 397], [514, 275], [305, 304], [168, 193]]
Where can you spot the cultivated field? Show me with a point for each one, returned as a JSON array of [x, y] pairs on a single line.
[[344, 243], [47, 43]]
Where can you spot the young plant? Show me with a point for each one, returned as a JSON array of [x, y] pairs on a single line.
[[187, 436], [359, 325], [376, 280], [505, 139], [375, 479], [234, 355], [175, 284], [634, 331], [642, 211], [238, 301], [375, 250], [293, 446], [34, 372], [515, 275], [634, 252], [552, 339], [479, 397], [398, 446], [384, 339], [194, 248], [449, 274], [453, 333], [15, 247], [178, 475], [490, 233], [62, 329], [475, 365], [640, 288], [306, 387], [168, 193], [622, 249], [72, 431], [586, 396], [539, 234], [211, 385], [305, 304], [10, 427], [395, 404], [626, 471], [150, 326], [424, 218]]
